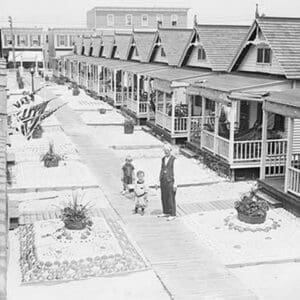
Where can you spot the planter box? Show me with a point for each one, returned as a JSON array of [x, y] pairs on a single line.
[[37, 133], [75, 225], [251, 220], [102, 111], [128, 127], [51, 163], [75, 92]]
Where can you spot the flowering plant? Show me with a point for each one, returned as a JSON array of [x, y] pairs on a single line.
[[51, 159], [249, 205], [75, 215]]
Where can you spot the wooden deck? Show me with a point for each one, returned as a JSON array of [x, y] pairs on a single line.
[[186, 269], [274, 186]]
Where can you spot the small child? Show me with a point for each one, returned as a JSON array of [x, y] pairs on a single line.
[[140, 193], [128, 175]]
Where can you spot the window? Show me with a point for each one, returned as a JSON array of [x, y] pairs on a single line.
[[8, 40], [162, 52], [144, 20], [201, 54], [136, 53], [159, 20], [35, 40], [174, 20], [22, 40], [62, 40], [128, 20], [263, 56], [110, 20]]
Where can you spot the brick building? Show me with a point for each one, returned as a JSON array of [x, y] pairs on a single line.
[[126, 18]]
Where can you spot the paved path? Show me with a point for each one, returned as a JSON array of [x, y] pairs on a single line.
[[186, 269]]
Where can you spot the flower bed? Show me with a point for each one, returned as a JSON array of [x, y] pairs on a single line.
[[50, 252]]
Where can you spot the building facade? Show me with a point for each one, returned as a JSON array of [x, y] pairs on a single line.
[[28, 43], [126, 18]]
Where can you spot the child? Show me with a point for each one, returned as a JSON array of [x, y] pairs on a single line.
[[140, 193], [128, 175]]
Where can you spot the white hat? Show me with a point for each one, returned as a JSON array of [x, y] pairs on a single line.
[[168, 147]]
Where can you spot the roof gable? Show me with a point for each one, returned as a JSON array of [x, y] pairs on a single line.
[[283, 37], [87, 45], [122, 42], [107, 42], [143, 42], [220, 43], [96, 44], [174, 42]]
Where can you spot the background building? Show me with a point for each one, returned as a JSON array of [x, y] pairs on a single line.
[[29, 46], [126, 18], [61, 41]]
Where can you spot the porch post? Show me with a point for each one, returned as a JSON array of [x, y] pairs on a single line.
[[231, 131], [132, 88], [202, 121], [190, 99], [173, 113], [122, 88], [138, 95], [156, 108], [264, 145], [148, 99], [289, 152], [115, 86], [164, 108], [217, 108]]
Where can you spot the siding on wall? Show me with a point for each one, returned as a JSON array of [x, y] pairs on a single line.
[[159, 58], [249, 63], [194, 62], [296, 136]]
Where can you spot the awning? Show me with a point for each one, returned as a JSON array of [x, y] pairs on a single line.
[[27, 56], [142, 68], [61, 54], [286, 103]]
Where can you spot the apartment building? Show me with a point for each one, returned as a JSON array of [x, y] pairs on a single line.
[[126, 18]]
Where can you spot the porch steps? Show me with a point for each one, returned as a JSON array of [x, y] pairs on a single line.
[[187, 153], [271, 200]]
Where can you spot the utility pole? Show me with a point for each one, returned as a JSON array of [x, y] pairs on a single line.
[[13, 40]]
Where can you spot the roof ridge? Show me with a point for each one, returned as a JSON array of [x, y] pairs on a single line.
[[175, 29], [278, 18], [223, 25]]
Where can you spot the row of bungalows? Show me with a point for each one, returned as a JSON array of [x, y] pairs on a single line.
[[206, 85]]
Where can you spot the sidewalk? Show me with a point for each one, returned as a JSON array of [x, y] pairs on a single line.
[[184, 266]]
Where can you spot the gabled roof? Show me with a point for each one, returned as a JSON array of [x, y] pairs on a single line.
[[122, 41], [96, 44], [174, 41], [143, 42], [283, 36], [220, 42], [108, 41]]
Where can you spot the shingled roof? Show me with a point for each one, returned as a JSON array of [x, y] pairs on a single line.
[[96, 44], [122, 42], [107, 41], [283, 36], [143, 42], [221, 43], [174, 41]]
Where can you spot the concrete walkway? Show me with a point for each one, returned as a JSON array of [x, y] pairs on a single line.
[[186, 269]]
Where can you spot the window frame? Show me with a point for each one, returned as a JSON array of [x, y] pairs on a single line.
[[160, 19], [126, 19], [33, 40], [145, 23], [261, 56], [174, 18], [202, 56], [19, 44], [8, 41], [110, 23], [162, 52]]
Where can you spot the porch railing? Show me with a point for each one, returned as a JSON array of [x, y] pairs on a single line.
[[294, 181], [208, 140], [118, 98], [163, 120], [222, 147]]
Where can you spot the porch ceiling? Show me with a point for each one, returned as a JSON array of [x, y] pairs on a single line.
[[286, 103]]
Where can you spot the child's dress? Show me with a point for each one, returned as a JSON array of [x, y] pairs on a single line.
[[128, 169], [140, 195]]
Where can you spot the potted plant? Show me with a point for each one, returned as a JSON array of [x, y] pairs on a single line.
[[76, 216], [37, 132], [51, 159], [251, 210]]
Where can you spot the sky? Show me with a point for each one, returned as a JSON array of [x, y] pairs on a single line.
[[66, 13]]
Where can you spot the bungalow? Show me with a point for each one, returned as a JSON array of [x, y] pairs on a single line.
[[263, 63], [280, 172]]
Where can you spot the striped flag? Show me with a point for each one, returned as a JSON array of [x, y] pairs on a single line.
[[26, 99], [30, 117]]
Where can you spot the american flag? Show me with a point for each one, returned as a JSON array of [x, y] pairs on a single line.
[[26, 99], [30, 117]]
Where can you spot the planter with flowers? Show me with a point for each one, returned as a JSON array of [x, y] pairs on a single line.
[[37, 132], [251, 210], [51, 159], [76, 216]]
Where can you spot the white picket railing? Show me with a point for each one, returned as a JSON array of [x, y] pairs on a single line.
[[208, 140], [163, 120], [222, 147], [293, 181]]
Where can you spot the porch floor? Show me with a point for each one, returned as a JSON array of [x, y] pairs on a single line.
[[274, 186]]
